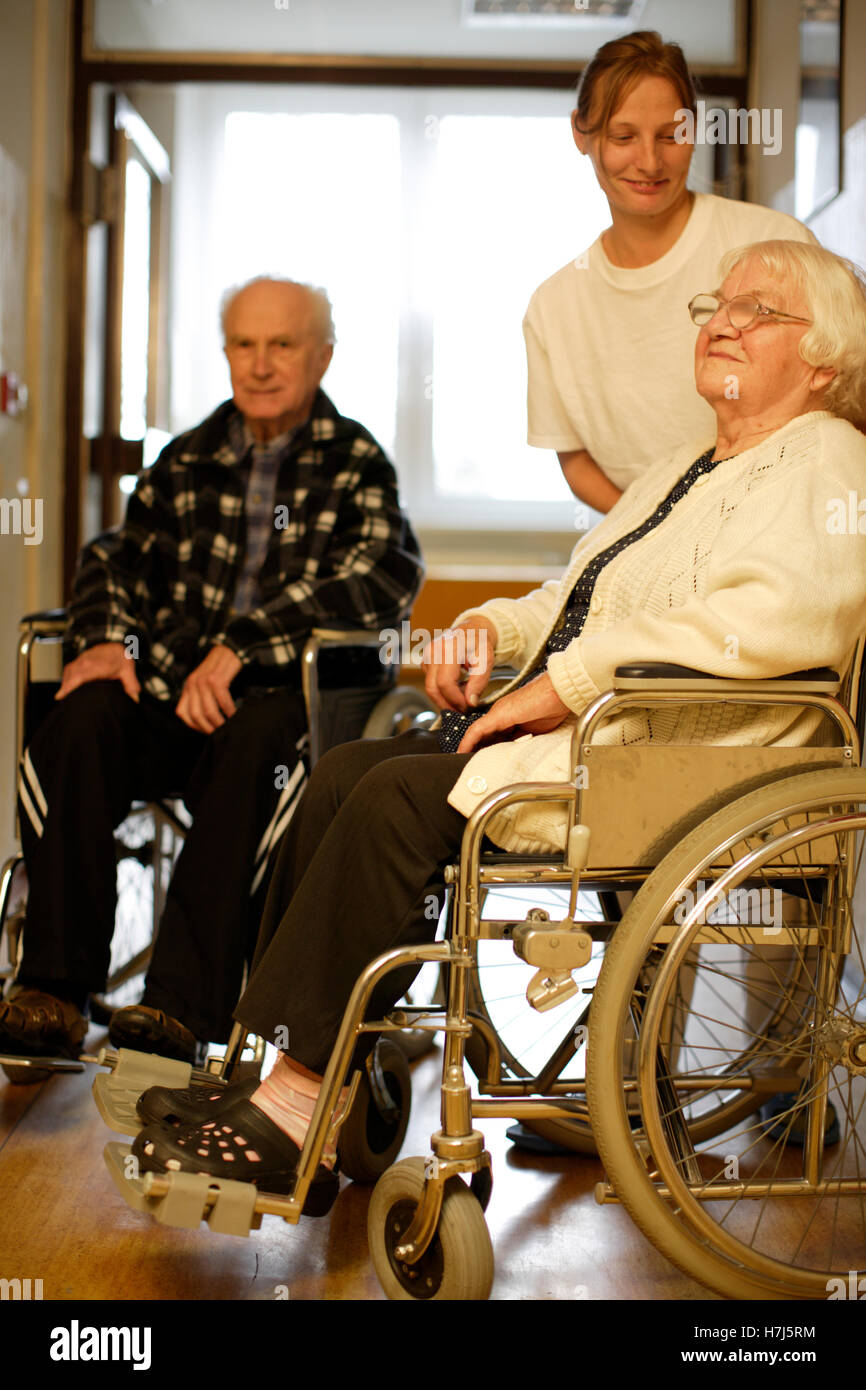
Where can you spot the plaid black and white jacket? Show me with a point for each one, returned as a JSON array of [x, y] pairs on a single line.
[[168, 575]]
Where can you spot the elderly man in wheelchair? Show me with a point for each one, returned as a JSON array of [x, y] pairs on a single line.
[[273, 517], [724, 559]]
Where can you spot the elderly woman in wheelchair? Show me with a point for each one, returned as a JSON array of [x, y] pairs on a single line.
[[723, 558]]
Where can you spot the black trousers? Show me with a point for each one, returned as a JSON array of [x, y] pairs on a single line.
[[95, 753], [360, 871]]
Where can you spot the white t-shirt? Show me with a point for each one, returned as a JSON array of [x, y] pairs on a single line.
[[610, 350]]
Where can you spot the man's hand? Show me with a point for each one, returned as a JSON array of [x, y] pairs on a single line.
[[205, 702], [533, 709], [108, 661], [469, 647]]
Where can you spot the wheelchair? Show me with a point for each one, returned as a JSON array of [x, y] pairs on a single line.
[[346, 691], [734, 975]]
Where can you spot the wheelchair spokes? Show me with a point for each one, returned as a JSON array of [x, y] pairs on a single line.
[[739, 1012], [550, 1047]]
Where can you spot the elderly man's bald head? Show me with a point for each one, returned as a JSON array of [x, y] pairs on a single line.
[[320, 304]]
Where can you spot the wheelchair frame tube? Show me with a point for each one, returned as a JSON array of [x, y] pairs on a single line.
[[31, 630], [467, 906], [338, 1063], [323, 639]]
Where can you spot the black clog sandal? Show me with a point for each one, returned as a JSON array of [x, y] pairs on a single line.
[[160, 1105], [222, 1148]]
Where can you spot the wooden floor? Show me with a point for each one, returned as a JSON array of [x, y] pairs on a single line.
[[62, 1221]]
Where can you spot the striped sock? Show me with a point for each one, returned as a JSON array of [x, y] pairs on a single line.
[[289, 1099]]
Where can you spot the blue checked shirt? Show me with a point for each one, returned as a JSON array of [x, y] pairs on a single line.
[[260, 512]]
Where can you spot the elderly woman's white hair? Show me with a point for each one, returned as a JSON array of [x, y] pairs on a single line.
[[321, 302], [835, 291]]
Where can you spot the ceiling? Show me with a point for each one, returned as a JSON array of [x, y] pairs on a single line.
[[408, 29]]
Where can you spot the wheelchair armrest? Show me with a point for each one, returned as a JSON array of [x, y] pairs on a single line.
[[322, 637], [49, 625], [651, 684], [643, 675], [46, 615]]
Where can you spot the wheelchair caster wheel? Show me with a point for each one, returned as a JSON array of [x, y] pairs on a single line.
[[373, 1132], [481, 1187], [457, 1264]]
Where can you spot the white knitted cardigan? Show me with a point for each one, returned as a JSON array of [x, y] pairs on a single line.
[[747, 577]]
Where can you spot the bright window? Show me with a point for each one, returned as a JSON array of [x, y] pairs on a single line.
[[317, 197], [430, 216], [511, 202], [135, 330]]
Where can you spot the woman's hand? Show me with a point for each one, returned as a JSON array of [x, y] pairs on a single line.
[[533, 709], [469, 647]]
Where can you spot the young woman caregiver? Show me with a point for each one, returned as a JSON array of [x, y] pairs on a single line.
[[609, 339]]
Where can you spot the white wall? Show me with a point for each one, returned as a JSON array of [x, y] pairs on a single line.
[[34, 96], [842, 225], [775, 83]]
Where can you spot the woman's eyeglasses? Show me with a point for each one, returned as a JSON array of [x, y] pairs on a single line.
[[742, 311]]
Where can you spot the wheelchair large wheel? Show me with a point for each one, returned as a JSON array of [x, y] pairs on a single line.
[[727, 1019], [146, 846], [373, 1131], [458, 1263], [399, 710]]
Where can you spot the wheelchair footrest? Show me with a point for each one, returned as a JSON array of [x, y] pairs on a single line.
[[37, 1064], [227, 1207], [116, 1092]]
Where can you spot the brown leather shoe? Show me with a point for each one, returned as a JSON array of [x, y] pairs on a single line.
[[150, 1030], [33, 1022]]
